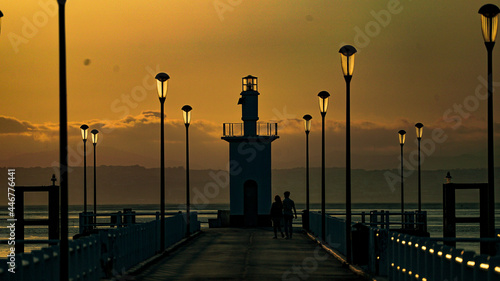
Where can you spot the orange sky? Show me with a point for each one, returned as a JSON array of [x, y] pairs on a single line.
[[417, 61]]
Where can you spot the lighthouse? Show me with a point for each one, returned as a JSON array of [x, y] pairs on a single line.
[[250, 160]]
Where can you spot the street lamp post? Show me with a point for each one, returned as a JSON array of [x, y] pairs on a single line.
[[84, 128], [95, 135], [63, 144], [162, 84], [186, 114], [347, 63], [420, 129], [402, 134], [307, 127], [489, 25], [323, 107]]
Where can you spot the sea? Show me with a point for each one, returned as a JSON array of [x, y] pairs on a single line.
[[434, 218]]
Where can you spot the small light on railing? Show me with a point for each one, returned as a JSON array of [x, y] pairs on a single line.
[[448, 256], [398, 267], [471, 263], [410, 273], [409, 243], [416, 245], [378, 257], [392, 238], [431, 251], [376, 234], [403, 242], [404, 270], [392, 264], [459, 259], [424, 279], [440, 253], [484, 266], [497, 269], [416, 276], [397, 240], [424, 248]]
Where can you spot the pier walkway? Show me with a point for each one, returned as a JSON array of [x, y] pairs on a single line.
[[247, 254]]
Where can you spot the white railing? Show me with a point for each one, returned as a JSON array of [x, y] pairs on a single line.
[[419, 258], [334, 230], [237, 129], [406, 257], [102, 255]]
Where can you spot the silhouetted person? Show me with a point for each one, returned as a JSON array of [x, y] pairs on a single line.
[[288, 205], [277, 215]]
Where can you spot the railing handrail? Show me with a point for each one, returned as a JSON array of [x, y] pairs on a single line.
[[271, 129], [402, 256], [90, 214], [101, 254]]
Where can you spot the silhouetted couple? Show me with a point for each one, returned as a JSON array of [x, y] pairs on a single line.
[[283, 210]]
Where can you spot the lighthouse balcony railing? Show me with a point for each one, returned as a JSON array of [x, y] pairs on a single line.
[[237, 129]]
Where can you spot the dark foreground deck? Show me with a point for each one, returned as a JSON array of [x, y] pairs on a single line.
[[247, 254]]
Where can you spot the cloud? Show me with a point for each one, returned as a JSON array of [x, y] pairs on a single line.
[[135, 139], [11, 125], [39, 132]]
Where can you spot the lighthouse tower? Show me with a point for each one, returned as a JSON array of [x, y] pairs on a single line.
[[250, 161]]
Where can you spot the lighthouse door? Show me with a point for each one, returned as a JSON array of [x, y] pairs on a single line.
[[250, 203]]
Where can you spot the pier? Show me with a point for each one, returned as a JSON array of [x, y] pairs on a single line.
[[381, 250], [248, 254]]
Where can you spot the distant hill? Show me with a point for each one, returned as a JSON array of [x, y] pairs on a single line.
[[139, 185]]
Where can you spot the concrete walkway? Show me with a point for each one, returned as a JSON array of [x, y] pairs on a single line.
[[247, 254]]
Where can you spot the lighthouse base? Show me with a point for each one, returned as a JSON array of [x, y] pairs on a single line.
[[239, 221]]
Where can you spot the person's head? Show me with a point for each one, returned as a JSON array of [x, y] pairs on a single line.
[[287, 194], [277, 198]]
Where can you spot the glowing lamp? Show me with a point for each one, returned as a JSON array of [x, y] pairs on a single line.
[[307, 122], [489, 21], [186, 114], [323, 101], [347, 59], [249, 83], [162, 84], [84, 129], [419, 127], [402, 134], [94, 133]]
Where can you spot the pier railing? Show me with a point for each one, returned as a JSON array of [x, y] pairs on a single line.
[[407, 220], [423, 259], [103, 255], [399, 256]]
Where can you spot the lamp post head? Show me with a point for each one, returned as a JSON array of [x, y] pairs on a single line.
[[84, 128], [1, 16], [489, 22], [323, 101], [402, 134], [307, 122], [249, 83], [419, 127], [448, 177], [162, 85], [186, 114], [95, 134], [347, 59]]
